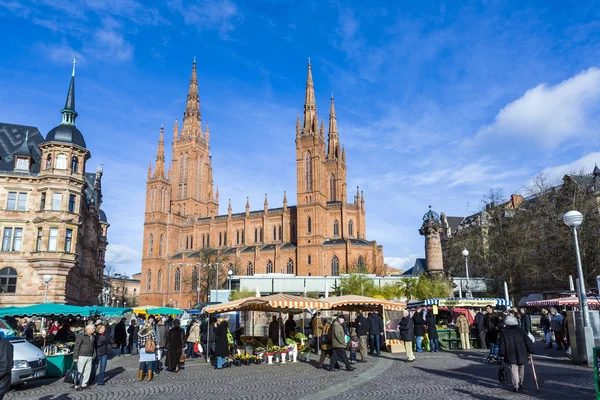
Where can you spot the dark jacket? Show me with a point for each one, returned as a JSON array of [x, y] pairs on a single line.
[[419, 323], [479, 320], [545, 322], [556, 323], [6, 364], [84, 346], [274, 332], [102, 344], [515, 345], [290, 325], [490, 321], [175, 341], [64, 335], [407, 329], [221, 342], [362, 325], [133, 330], [375, 324], [526, 322], [120, 333], [431, 322]]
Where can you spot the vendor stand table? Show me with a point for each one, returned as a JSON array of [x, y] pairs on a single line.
[[58, 365]]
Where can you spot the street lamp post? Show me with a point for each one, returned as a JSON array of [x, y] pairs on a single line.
[[46, 279], [229, 274], [216, 282], [573, 220], [465, 253]]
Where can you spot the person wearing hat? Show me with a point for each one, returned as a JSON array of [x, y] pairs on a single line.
[[515, 348], [338, 344]]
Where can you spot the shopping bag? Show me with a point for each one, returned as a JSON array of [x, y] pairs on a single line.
[[531, 337], [73, 376], [198, 348], [503, 373]]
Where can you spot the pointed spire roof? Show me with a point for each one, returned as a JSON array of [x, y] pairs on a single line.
[[332, 117], [596, 171], [24, 149], [160, 155], [70, 103], [192, 121], [310, 105], [266, 201], [284, 197], [176, 129]]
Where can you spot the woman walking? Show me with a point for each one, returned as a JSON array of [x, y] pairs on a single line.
[[221, 341], [103, 346], [147, 348], [515, 347], [462, 324], [175, 343], [431, 322], [192, 338], [325, 341], [545, 324]]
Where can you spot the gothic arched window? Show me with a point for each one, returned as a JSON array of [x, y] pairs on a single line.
[[308, 260], [336, 228], [159, 280], [237, 237], [148, 280], [177, 283], [185, 167], [161, 243], [274, 233], [308, 171], [255, 235], [335, 266], [181, 167], [187, 243], [309, 225], [61, 161], [243, 237], [280, 235], [220, 239], [290, 266], [203, 241], [261, 235], [194, 278], [332, 194], [249, 269], [350, 228], [150, 245], [269, 267], [361, 262]]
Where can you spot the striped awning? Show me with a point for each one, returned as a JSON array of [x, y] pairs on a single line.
[[277, 302], [571, 301], [351, 302], [461, 302]]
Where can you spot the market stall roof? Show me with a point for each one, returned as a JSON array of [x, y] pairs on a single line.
[[277, 302], [46, 309], [354, 302], [460, 302], [142, 309], [164, 311], [109, 311], [571, 301]]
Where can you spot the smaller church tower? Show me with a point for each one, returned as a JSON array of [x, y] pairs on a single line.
[[432, 230]]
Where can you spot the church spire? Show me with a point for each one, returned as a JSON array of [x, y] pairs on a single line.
[[333, 139], [176, 130], [191, 117], [160, 155], [68, 113], [310, 106]]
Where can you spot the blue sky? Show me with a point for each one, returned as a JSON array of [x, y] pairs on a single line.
[[437, 102]]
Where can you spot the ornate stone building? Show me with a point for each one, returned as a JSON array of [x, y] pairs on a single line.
[[50, 217], [323, 234]]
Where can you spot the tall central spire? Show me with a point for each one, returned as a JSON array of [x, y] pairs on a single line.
[[69, 114], [310, 106], [191, 117], [160, 155], [333, 147]]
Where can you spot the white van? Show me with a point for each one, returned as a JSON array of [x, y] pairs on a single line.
[[29, 362]]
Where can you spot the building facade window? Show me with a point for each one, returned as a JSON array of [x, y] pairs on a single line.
[[335, 266], [309, 225], [177, 285], [203, 241], [148, 280], [237, 237], [274, 233], [290, 266], [49, 161], [38, 240], [18, 239], [56, 201], [225, 239], [74, 164], [150, 244], [249, 269], [269, 267], [6, 239], [72, 203], [52, 239], [194, 278], [17, 201], [8, 280], [22, 164], [158, 281], [43, 201], [243, 237], [336, 228], [308, 171], [361, 262], [12, 239], [68, 240], [293, 232], [350, 228], [280, 233], [255, 235], [332, 194], [61, 161], [220, 239], [161, 244], [308, 259]]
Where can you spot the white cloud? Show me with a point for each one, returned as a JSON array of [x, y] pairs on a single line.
[[549, 115], [586, 162], [120, 254], [110, 43], [220, 15], [60, 53], [402, 263]]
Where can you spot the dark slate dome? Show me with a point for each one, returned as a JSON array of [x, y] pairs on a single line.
[[66, 133], [103, 216]]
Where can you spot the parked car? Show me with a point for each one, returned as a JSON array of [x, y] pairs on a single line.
[[29, 361]]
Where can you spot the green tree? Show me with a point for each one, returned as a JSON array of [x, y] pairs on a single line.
[[242, 294], [358, 284], [312, 295], [426, 287]]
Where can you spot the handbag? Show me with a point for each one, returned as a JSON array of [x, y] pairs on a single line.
[[182, 358], [150, 346], [73, 376], [503, 373], [198, 348]]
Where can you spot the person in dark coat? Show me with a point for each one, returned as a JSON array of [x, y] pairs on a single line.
[[221, 341], [121, 337], [375, 332], [407, 334], [103, 346], [515, 347], [431, 322], [525, 320], [491, 322], [273, 331], [6, 365], [479, 328], [290, 325], [175, 344], [64, 334], [419, 323], [362, 330], [133, 330]]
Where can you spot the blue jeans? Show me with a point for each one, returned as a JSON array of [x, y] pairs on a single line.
[[220, 362], [419, 344], [189, 351], [434, 344], [375, 343], [147, 366], [102, 360], [548, 336]]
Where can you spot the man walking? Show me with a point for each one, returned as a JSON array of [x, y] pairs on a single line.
[[338, 342], [362, 330], [6, 365], [479, 319], [375, 332], [491, 326], [83, 354], [525, 320], [419, 326], [407, 334], [317, 330]]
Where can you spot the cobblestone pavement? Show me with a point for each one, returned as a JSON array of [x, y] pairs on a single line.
[[447, 375]]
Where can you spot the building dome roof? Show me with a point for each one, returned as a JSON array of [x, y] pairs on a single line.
[[67, 134], [102, 216], [431, 216]]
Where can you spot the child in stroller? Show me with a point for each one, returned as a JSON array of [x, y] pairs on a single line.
[[493, 356]]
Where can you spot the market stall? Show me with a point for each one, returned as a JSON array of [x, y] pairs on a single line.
[[571, 302], [461, 302], [164, 311]]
